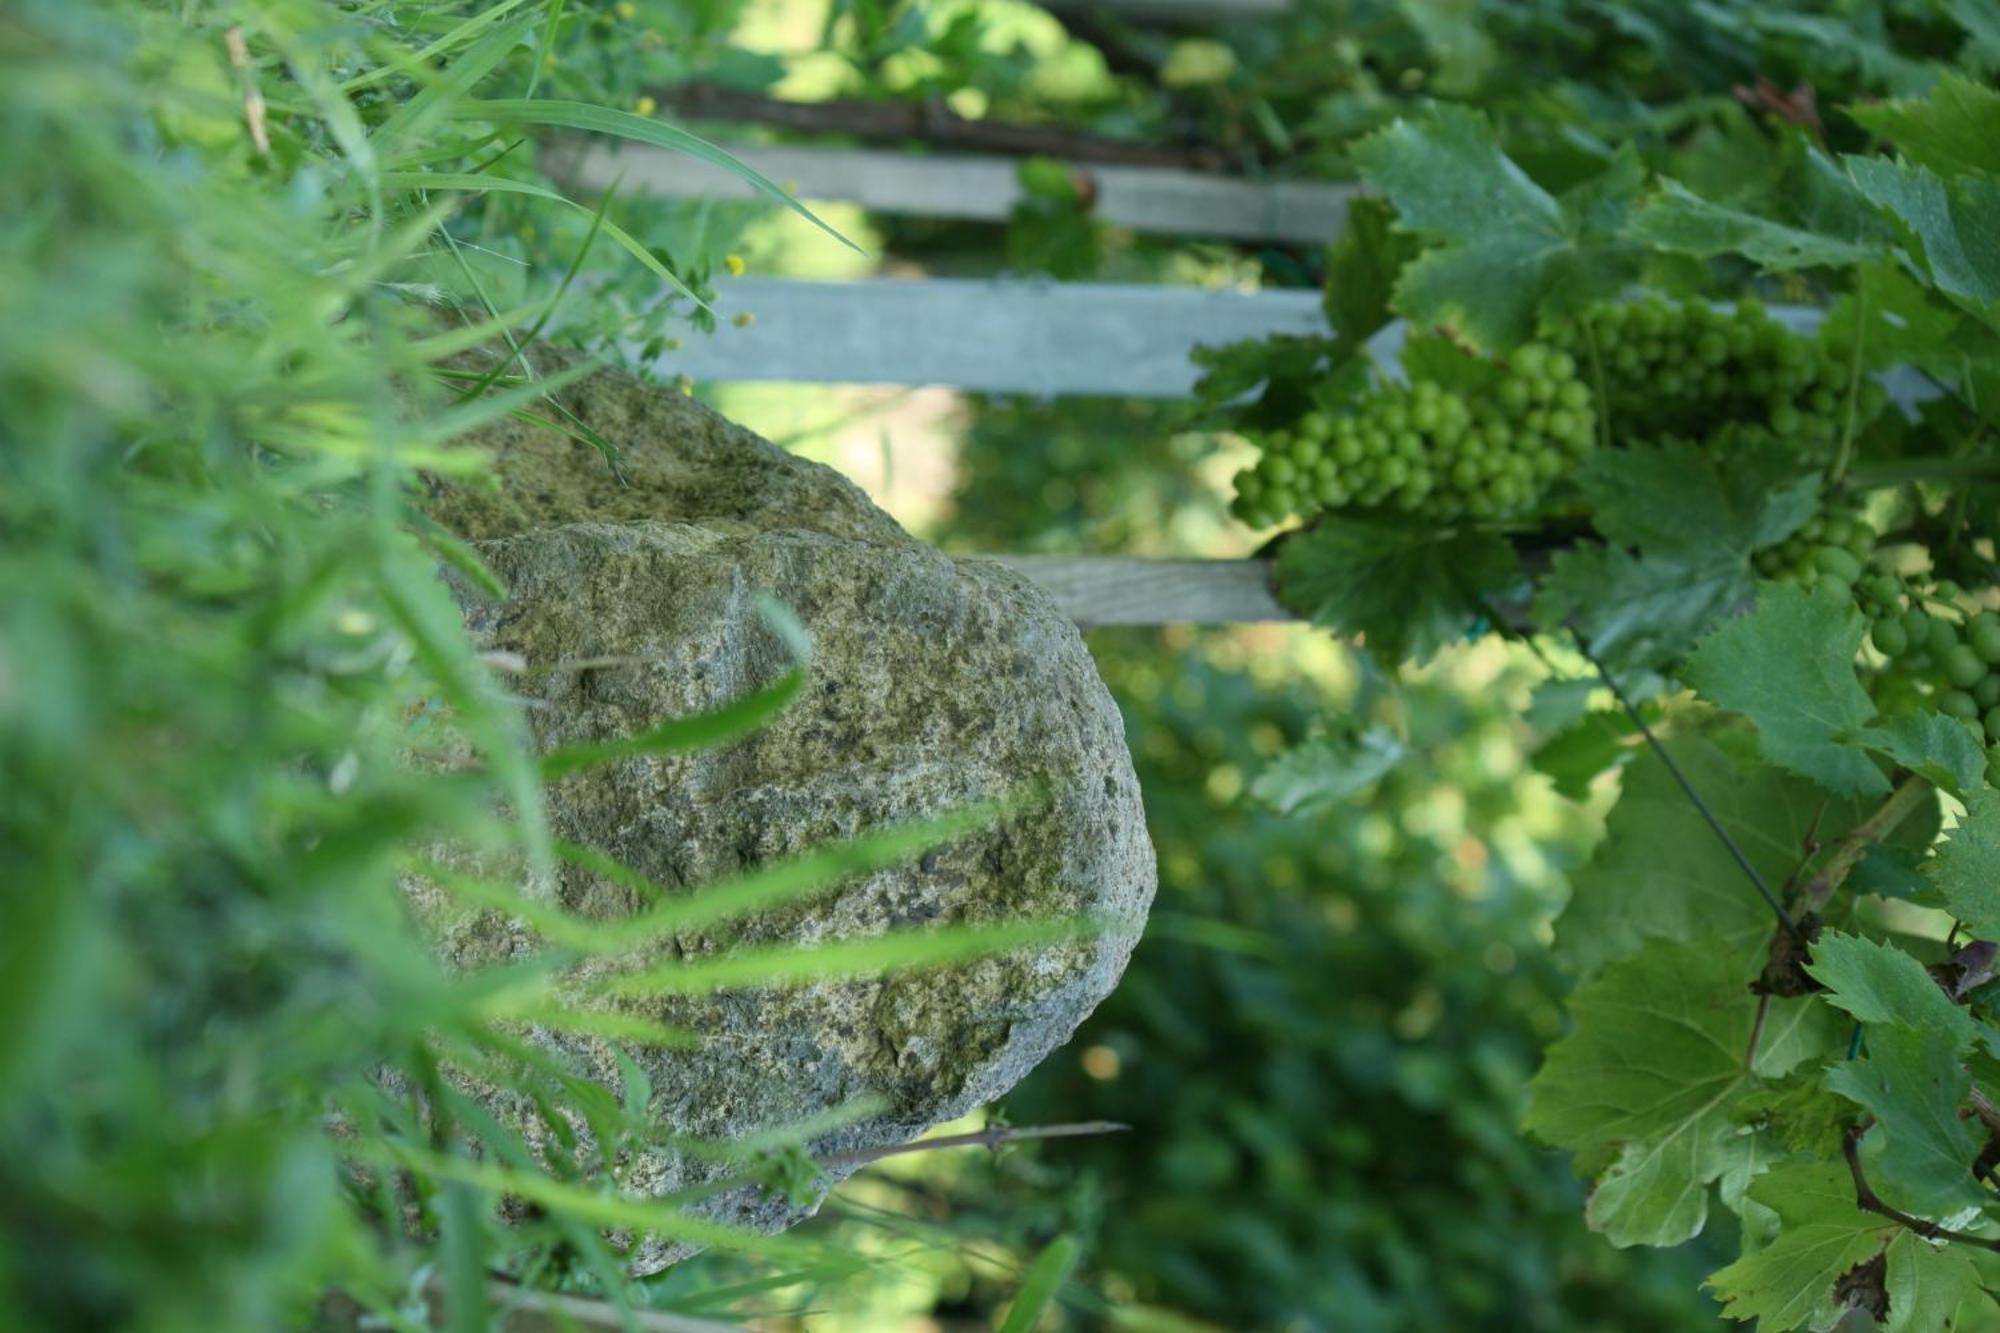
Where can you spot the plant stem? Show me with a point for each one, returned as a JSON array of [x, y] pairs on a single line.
[[1853, 387], [1868, 1201], [1848, 852], [1597, 379]]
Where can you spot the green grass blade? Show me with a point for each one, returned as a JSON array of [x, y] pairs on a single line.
[[790, 965], [1039, 1287], [413, 63], [694, 732], [773, 886], [641, 129], [447, 90], [445, 180]]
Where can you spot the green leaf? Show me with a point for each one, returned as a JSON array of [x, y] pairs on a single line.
[[1681, 499], [1930, 1287], [1660, 872], [1901, 324], [695, 732], [1950, 131], [1407, 592], [1789, 667], [1913, 1086], [1695, 519], [1650, 1073], [1321, 772], [642, 129], [1880, 984], [1790, 1281], [1580, 753], [1506, 248], [1040, 1285], [1955, 225], [1683, 222], [1940, 748], [1967, 868], [1361, 269]]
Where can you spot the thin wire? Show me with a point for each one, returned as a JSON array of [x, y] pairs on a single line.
[[1763, 889]]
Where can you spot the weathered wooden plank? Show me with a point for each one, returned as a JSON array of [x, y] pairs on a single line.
[[1162, 200], [1176, 13], [1119, 590], [994, 336]]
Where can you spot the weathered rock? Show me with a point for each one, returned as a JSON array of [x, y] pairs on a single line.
[[934, 682]]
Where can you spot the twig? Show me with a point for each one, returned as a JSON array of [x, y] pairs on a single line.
[[253, 99], [1756, 879], [1868, 1201], [992, 1137], [1848, 852]]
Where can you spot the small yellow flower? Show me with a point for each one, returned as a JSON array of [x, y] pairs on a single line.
[[744, 319], [645, 106], [627, 10], [734, 263], [672, 344]]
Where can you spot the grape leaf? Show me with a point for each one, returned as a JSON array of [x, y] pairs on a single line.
[[1789, 667], [1940, 748], [1323, 771], [1650, 1073], [1967, 868], [1682, 499], [1955, 224], [1661, 872], [1913, 1086], [1695, 521], [1578, 754], [1928, 1284], [1900, 324], [1790, 1281], [1505, 248], [1880, 984], [1406, 591], [1361, 269], [1680, 220], [1950, 131]]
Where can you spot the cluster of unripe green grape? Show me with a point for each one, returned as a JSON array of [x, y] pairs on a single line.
[[1446, 452], [1832, 547], [1683, 368], [1935, 654]]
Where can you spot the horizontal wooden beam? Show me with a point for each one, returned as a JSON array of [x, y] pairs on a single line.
[[1120, 590], [1045, 338], [928, 122], [1175, 13], [1169, 201]]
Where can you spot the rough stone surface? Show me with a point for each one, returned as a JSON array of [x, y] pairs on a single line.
[[934, 682]]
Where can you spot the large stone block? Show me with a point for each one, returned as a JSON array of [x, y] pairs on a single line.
[[934, 682]]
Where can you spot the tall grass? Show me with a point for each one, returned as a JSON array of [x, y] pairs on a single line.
[[222, 638]]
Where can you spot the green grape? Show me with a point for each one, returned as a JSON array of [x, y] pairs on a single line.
[[1836, 563], [1984, 636], [1992, 725], [1959, 704], [1889, 638], [1987, 692], [1961, 666]]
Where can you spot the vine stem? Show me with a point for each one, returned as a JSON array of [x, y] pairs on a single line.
[[1597, 376], [1847, 853], [1756, 879], [1868, 1201], [995, 1137], [1853, 386]]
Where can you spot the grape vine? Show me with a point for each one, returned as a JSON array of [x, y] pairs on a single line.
[[1602, 443]]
